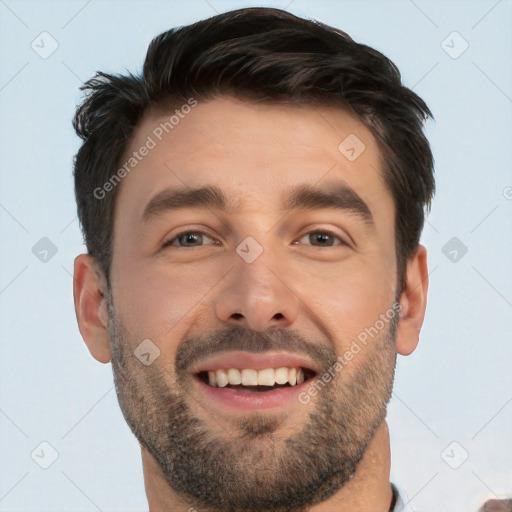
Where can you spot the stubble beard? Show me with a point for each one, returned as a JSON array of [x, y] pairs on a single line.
[[255, 467]]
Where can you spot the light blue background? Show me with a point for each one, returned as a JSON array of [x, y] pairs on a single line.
[[457, 386]]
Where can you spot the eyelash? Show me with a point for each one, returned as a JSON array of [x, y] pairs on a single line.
[[170, 242]]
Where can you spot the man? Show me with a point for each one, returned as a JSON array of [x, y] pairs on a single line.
[[252, 206]]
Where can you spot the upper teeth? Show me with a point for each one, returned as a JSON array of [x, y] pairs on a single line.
[[249, 377]]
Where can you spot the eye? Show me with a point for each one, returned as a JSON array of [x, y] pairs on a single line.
[[189, 239], [322, 239]]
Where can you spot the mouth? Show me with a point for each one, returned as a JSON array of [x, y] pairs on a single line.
[[249, 381], [252, 380]]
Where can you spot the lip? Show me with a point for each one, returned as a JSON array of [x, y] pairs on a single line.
[[235, 399], [255, 361]]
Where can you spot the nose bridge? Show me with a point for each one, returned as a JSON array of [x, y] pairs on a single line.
[[256, 293], [259, 278]]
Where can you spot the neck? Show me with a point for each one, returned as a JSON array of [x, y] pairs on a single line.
[[369, 489]]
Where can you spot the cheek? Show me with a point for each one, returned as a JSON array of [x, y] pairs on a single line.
[[159, 305], [350, 298]]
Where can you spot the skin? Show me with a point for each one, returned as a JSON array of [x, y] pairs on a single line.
[[504, 505], [328, 294]]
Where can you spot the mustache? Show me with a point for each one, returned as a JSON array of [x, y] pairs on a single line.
[[195, 349]]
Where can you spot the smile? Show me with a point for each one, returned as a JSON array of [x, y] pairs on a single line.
[[249, 381], [256, 380]]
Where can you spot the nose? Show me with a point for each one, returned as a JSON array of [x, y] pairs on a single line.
[[257, 295]]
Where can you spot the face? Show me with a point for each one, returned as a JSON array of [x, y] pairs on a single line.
[[258, 263]]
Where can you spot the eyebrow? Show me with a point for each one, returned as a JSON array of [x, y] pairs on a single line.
[[332, 195], [209, 196], [335, 195]]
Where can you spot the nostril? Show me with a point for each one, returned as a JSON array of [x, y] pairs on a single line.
[[278, 316], [237, 316]]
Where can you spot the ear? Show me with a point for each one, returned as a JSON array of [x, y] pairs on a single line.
[[90, 308], [413, 301]]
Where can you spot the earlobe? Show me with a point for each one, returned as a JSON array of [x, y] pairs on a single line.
[[90, 307], [413, 302]]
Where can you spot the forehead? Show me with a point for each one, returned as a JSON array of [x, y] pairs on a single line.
[[253, 152]]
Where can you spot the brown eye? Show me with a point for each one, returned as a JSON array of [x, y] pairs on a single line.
[[188, 239], [323, 239]]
